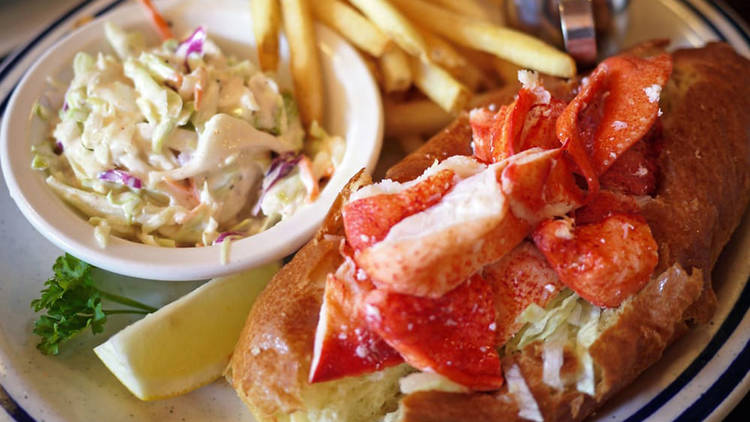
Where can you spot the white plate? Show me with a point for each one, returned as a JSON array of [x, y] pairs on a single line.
[[701, 377], [19, 26], [352, 110]]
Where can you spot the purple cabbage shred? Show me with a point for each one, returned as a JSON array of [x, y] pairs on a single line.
[[280, 167], [121, 177], [192, 44], [224, 235]]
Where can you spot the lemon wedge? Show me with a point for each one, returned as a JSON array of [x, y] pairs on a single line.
[[187, 343]]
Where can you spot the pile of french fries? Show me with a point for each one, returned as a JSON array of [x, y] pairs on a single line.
[[430, 57]]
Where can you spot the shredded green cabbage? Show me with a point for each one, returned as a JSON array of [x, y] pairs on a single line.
[[39, 162], [285, 197], [41, 111], [125, 44], [178, 131]]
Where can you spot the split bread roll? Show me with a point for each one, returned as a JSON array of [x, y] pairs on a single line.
[[703, 190]]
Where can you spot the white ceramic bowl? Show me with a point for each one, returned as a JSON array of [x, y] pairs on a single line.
[[353, 110]]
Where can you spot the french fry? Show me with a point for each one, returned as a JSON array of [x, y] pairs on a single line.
[[304, 62], [505, 43], [351, 25], [482, 60], [372, 66], [439, 85], [444, 54], [475, 79], [394, 24], [469, 8], [499, 9], [266, 24], [395, 70], [423, 117], [417, 117], [507, 71]]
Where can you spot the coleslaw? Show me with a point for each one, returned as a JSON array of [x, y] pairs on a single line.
[[179, 145]]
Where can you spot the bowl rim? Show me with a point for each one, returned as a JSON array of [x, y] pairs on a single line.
[[75, 235]]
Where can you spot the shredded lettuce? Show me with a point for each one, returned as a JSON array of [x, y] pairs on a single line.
[[587, 334], [527, 405], [429, 381], [568, 321]]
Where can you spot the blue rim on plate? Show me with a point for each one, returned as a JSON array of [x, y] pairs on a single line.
[[700, 409]]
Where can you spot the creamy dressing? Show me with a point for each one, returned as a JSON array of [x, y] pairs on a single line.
[[169, 145]]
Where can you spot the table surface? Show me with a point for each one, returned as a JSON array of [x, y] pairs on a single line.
[[17, 26]]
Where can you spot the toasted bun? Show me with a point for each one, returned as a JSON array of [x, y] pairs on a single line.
[[704, 189]]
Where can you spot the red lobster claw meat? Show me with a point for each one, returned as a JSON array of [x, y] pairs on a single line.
[[487, 144], [521, 278], [524, 124], [604, 262], [368, 220], [634, 172], [344, 344], [604, 204], [430, 253], [539, 129], [540, 185], [616, 108], [454, 335]]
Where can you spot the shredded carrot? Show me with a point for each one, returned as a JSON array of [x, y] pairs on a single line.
[[188, 190], [177, 80], [161, 24], [198, 89], [309, 179], [198, 94], [194, 190]]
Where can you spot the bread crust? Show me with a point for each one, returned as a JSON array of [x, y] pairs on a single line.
[[703, 192]]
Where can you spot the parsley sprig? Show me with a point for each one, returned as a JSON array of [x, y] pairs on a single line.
[[73, 303]]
